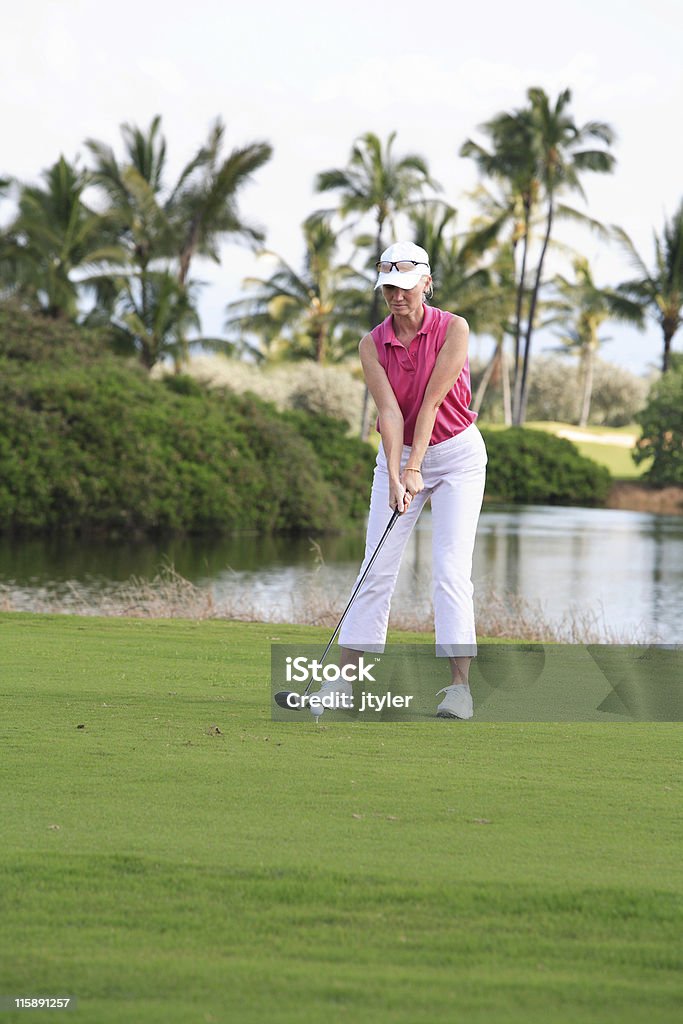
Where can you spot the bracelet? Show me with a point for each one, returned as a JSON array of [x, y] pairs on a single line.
[[411, 469]]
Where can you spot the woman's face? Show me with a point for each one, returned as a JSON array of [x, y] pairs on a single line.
[[404, 301]]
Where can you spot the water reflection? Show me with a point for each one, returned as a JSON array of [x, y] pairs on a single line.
[[42, 561], [627, 567]]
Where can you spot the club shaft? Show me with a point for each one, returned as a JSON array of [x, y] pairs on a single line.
[[367, 569]]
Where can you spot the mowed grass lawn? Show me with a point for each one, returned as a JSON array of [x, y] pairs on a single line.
[[617, 457], [169, 854]]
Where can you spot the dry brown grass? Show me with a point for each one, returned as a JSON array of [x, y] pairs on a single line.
[[169, 595]]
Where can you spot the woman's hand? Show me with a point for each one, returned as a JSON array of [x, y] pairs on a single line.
[[403, 490], [412, 481], [399, 496]]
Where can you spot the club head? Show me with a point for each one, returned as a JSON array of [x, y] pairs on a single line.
[[288, 699]]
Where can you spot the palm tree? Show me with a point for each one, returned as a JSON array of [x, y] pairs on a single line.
[[162, 229], [563, 152], [510, 162], [316, 313], [152, 316], [432, 224], [496, 313], [196, 214], [204, 200], [584, 307], [140, 296], [133, 193], [377, 183], [537, 153], [660, 290], [462, 284], [55, 242]]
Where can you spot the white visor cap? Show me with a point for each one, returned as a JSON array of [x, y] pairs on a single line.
[[404, 251]]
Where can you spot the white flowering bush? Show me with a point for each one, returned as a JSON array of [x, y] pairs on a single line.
[[618, 395], [332, 390], [555, 393]]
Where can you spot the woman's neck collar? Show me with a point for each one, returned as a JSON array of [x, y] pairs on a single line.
[[408, 326]]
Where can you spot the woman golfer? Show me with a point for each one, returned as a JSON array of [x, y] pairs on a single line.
[[416, 368]]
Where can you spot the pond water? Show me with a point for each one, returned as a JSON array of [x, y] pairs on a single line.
[[623, 570]]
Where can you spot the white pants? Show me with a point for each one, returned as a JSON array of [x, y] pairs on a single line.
[[454, 473]]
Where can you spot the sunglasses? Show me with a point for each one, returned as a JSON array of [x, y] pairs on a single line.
[[403, 266]]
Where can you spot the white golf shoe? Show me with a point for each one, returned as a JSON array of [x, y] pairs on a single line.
[[457, 703], [333, 695]]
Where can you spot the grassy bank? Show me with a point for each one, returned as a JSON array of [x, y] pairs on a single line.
[[171, 855]]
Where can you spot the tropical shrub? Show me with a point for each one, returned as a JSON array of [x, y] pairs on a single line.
[[661, 422], [88, 443], [533, 467], [341, 459]]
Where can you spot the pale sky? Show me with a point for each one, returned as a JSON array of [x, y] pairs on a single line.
[[310, 77]]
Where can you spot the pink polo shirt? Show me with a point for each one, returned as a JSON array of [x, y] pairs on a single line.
[[409, 370]]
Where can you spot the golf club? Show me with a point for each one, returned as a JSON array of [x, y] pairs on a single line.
[[281, 698]]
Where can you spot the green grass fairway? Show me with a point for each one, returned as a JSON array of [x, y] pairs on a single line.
[[616, 458], [171, 855]]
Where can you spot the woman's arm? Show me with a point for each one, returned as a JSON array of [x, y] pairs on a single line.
[[447, 369], [390, 417]]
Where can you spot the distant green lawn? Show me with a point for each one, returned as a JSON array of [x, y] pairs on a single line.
[[617, 458], [182, 858]]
